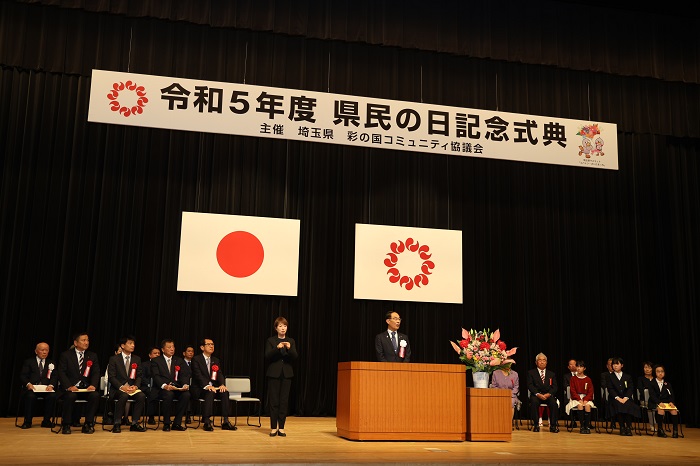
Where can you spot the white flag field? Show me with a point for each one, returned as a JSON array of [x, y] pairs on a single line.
[[238, 254], [408, 264]]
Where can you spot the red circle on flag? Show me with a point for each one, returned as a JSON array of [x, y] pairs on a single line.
[[240, 254]]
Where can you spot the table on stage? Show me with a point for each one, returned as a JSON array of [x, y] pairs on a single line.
[[397, 401], [489, 414]]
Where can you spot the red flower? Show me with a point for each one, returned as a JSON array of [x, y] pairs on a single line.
[[484, 346], [177, 368], [215, 368], [464, 343], [134, 366], [501, 345], [89, 363]]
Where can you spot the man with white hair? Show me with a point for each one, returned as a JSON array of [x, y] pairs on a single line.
[[542, 384]]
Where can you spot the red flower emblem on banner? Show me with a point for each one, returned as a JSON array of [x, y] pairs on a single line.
[[410, 246], [133, 98]]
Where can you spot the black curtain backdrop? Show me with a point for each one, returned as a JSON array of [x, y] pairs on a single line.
[[573, 262]]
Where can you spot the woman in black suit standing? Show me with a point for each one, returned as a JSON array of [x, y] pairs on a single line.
[[280, 351]]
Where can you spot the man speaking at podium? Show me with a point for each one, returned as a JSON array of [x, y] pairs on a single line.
[[391, 345]]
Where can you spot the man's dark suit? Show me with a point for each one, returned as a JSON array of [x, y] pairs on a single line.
[[118, 376], [201, 377], [69, 375], [30, 375], [161, 376], [385, 348], [535, 385]]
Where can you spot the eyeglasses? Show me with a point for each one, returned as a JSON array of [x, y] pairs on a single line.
[[208, 344]]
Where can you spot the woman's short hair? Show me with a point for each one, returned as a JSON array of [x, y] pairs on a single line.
[[280, 320]]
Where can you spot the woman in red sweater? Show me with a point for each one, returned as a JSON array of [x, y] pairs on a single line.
[[581, 388]]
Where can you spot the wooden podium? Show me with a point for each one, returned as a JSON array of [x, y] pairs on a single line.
[[489, 414], [397, 401]]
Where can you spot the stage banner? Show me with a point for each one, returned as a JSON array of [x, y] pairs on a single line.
[[238, 254], [408, 264], [270, 112]]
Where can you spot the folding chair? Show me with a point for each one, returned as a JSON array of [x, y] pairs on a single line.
[[237, 387]]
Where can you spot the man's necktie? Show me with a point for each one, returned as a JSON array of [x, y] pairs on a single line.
[[41, 367], [126, 365], [393, 341], [542, 375], [80, 361], [167, 361], [208, 366]]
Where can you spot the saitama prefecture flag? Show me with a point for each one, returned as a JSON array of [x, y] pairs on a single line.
[[238, 254], [408, 264]]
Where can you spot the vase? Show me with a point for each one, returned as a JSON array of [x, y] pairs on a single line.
[[481, 379]]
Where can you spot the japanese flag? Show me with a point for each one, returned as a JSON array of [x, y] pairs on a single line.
[[408, 264], [238, 254]]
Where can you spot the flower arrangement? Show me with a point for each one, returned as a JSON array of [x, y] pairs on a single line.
[[483, 351]]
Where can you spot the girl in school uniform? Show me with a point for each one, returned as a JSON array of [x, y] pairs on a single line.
[[661, 392], [620, 398], [581, 388]]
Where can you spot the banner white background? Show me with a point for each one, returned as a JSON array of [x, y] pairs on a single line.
[[227, 108]]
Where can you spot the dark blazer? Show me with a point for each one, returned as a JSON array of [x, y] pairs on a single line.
[[30, 373], [623, 388], [535, 385], [69, 371], [117, 374], [385, 348], [280, 359], [665, 395], [201, 376], [160, 374]]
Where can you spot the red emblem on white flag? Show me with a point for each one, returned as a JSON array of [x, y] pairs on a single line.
[[238, 254], [409, 278], [408, 264]]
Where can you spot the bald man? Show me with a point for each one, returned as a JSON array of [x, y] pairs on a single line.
[[39, 378]]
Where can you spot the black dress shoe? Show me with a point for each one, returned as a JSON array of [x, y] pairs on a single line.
[[179, 427], [47, 423], [65, 429], [282, 434], [208, 427], [273, 434], [117, 429], [554, 430], [88, 429], [661, 433], [137, 428], [674, 434], [228, 426], [151, 421], [536, 429], [166, 428], [26, 425]]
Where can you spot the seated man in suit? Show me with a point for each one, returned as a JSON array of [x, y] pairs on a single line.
[[79, 374], [125, 372], [38, 370], [542, 384], [146, 382], [390, 345], [171, 378], [208, 376]]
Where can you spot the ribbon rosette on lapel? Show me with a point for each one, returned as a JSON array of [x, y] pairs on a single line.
[[132, 373], [177, 372], [214, 371], [88, 365]]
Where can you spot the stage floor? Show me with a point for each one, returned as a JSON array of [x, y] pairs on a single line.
[[314, 441]]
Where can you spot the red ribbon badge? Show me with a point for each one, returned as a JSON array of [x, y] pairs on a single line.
[[214, 370], [177, 371], [88, 365], [132, 373]]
